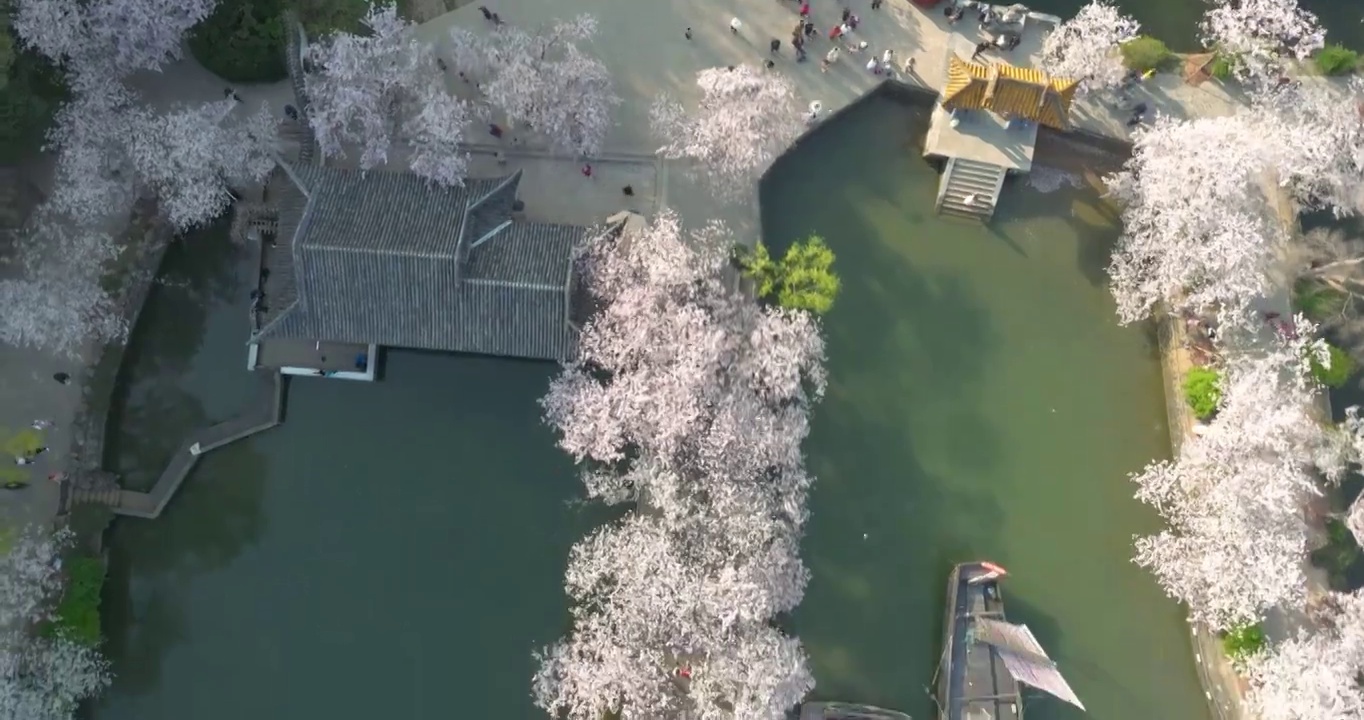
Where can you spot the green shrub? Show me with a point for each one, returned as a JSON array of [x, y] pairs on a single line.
[[1145, 53], [1243, 641], [1336, 60], [802, 280], [1318, 302], [32, 91], [320, 17], [1202, 390], [1341, 368], [77, 614], [1339, 557], [242, 41], [1220, 67]]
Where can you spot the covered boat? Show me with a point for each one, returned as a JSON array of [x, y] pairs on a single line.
[[985, 657]]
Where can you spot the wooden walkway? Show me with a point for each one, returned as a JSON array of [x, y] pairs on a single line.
[[264, 414]]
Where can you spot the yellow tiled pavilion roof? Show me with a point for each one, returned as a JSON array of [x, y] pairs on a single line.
[[1008, 90]]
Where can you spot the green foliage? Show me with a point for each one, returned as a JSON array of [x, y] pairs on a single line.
[[803, 280], [1202, 390], [77, 615], [1340, 557], [242, 41], [1145, 53], [1336, 60], [1342, 367], [1243, 641], [320, 17], [1220, 67], [1318, 302], [32, 91]]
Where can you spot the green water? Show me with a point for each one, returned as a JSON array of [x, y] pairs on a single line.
[[983, 404], [395, 550]]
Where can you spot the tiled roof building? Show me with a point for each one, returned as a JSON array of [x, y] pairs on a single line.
[[389, 259]]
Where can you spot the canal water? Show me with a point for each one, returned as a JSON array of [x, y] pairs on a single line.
[[396, 549], [983, 404]]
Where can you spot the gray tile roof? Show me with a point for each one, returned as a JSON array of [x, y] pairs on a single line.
[[378, 259]]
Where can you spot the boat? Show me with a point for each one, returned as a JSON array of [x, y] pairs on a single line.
[[985, 657], [847, 711]]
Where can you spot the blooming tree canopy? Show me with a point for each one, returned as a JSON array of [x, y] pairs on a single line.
[[189, 156], [109, 148], [1320, 150], [744, 120], [691, 400], [1315, 673], [1257, 35], [58, 302], [110, 38], [1085, 47], [1234, 495], [365, 89], [1197, 233], [41, 678], [544, 79]]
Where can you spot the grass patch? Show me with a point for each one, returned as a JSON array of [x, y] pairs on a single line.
[[1145, 53], [1338, 372], [1203, 390], [77, 615], [1220, 67], [1336, 60], [1243, 641], [1318, 302]]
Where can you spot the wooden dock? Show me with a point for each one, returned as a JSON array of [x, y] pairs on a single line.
[[265, 413]]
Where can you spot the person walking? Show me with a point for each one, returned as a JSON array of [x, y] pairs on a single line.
[[687, 34], [805, 10], [799, 45], [41, 424], [63, 378], [774, 46], [830, 58], [587, 170], [734, 25], [888, 58], [847, 13], [809, 29]]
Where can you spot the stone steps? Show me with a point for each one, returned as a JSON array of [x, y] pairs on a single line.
[[961, 180]]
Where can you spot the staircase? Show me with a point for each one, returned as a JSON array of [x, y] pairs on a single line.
[[964, 178]]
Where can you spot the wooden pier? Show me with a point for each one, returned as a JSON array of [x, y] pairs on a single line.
[[265, 413]]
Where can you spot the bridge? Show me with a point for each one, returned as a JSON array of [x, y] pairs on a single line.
[[102, 488]]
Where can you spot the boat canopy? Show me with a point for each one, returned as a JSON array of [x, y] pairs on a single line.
[[1024, 657]]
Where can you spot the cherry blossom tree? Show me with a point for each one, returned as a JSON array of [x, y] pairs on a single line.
[[1085, 47], [57, 302], [645, 609], [109, 39], [40, 678], [1234, 496], [667, 323], [690, 400], [367, 89], [1320, 150], [743, 121], [1258, 35], [90, 135], [191, 155], [1197, 232], [544, 79], [1315, 673]]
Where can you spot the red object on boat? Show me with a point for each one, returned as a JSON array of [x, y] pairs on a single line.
[[994, 568]]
